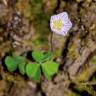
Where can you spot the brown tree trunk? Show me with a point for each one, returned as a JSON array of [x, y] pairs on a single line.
[[76, 49]]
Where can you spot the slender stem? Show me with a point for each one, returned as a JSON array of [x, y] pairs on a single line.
[[51, 42]]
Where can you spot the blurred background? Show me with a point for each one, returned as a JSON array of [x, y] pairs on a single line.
[[24, 26]]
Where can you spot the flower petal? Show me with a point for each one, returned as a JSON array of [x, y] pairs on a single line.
[[66, 23], [63, 15]]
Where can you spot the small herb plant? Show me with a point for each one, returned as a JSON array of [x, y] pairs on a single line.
[[43, 62], [60, 24]]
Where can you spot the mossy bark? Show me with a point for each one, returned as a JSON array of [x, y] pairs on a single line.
[[31, 31]]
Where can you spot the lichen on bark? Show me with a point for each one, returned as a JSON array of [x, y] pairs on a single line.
[[31, 31]]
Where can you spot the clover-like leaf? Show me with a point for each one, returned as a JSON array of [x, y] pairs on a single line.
[[19, 59], [37, 56], [47, 76], [33, 71], [40, 56], [49, 68], [10, 63], [22, 67], [47, 56], [38, 75]]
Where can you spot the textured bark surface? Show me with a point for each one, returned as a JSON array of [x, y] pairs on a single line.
[[24, 26]]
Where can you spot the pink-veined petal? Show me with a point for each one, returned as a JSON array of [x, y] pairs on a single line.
[[66, 23]]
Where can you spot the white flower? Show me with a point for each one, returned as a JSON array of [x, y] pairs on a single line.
[[60, 23]]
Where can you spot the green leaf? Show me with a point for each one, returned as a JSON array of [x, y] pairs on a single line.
[[93, 60], [47, 76], [47, 56], [38, 56], [21, 67], [49, 68], [37, 76], [33, 71], [10, 63], [19, 59]]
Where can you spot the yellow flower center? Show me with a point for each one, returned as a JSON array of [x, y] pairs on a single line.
[[57, 24]]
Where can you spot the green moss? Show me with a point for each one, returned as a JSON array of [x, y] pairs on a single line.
[[40, 18], [93, 60], [73, 51]]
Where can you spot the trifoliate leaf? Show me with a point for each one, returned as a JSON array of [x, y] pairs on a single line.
[[37, 76], [33, 71], [21, 67], [48, 77], [47, 56], [38, 56], [93, 60], [49, 68], [10, 63], [19, 59]]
